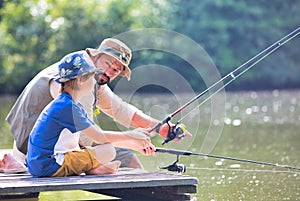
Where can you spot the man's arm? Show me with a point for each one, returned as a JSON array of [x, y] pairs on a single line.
[[141, 120], [122, 112], [127, 114], [115, 107]]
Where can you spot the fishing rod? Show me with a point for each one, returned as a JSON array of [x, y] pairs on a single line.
[[178, 130], [180, 168]]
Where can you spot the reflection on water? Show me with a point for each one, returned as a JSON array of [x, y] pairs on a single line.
[[72, 195], [260, 126]]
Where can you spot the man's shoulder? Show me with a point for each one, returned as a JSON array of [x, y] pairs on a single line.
[[50, 70], [44, 76], [104, 89]]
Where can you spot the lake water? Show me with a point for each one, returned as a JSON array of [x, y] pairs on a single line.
[[259, 126]]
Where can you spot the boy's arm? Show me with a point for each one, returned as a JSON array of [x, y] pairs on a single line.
[[134, 139]]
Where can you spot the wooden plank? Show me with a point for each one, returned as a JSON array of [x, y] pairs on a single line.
[[25, 183], [129, 184], [150, 194], [20, 196]]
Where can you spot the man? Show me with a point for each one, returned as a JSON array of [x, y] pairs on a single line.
[[114, 57]]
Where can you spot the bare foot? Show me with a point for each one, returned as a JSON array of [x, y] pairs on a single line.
[[9, 164], [1, 164], [107, 168]]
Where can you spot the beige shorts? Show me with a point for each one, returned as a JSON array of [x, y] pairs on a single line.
[[77, 162]]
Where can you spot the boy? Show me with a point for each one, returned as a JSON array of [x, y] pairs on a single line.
[[53, 148]]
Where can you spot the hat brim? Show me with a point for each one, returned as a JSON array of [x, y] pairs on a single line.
[[125, 73], [61, 80]]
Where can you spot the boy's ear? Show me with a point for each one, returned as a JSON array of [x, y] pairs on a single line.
[[80, 81]]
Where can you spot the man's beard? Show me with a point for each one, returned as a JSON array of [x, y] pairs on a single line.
[[100, 80]]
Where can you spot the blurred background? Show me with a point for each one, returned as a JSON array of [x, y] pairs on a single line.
[[261, 114], [37, 33]]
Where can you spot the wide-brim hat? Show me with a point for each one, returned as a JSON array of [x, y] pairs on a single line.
[[116, 49], [74, 65]]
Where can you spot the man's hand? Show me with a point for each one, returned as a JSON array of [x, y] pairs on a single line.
[[164, 129]]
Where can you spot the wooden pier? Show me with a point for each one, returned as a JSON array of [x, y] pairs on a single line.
[[127, 184]]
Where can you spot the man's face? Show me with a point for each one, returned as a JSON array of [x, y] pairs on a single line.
[[111, 68]]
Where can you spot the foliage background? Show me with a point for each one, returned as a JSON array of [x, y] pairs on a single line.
[[37, 33]]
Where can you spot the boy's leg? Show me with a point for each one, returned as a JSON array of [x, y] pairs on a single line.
[[126, 156], [107, 168], [77, 162], [105, 154]]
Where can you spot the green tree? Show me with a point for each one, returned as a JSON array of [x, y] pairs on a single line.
[[233, 31], [36, 33]]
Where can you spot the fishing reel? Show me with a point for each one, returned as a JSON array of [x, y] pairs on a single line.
[[176, 131], [174, 167]]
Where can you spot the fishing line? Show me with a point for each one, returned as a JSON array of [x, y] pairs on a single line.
[[232, 75], [178, 130], [181, 168], [244, 170]]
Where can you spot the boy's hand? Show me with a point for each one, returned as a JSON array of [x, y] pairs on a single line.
[[140, 141]]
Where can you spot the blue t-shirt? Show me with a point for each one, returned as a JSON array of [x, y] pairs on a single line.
[[62, 114]]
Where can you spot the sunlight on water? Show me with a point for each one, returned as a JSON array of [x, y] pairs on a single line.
[[236, 122], [71, 195], [259, 126]]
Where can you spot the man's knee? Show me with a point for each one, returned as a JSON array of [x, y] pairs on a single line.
[[135, 163]]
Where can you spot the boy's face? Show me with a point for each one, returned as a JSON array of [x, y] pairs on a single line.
[[87, 83]]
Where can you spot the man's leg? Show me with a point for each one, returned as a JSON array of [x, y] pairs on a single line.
[[128, 158], [135, 163], [19, 156]]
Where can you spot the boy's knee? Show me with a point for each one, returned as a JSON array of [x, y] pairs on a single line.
[[111, 151], [105, 152]]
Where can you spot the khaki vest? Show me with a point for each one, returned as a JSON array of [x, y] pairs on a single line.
[[29, 105]]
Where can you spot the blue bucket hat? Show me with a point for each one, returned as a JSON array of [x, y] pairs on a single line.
[[74, 65]]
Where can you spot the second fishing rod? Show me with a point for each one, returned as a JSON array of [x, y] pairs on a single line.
[[178, 130], [182, 168]]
